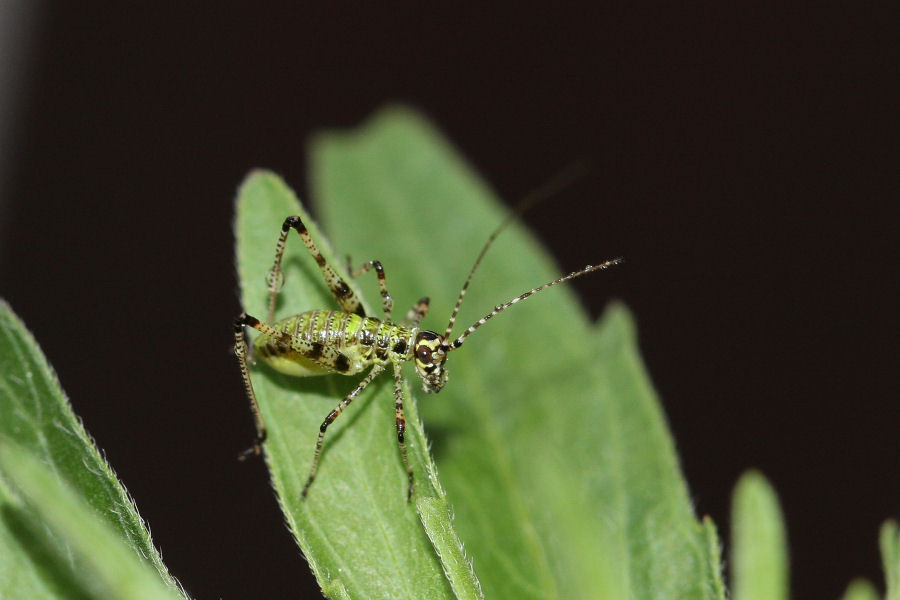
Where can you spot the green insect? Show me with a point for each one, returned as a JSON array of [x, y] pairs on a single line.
[[348, 342]]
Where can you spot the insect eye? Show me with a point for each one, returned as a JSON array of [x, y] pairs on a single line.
[[423, 354]]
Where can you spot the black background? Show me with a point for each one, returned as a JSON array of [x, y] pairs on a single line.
[[743, 168]]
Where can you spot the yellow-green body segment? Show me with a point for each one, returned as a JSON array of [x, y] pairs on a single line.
[[318, 342]]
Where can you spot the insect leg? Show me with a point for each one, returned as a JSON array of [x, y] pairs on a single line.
[[376, 370], [342, 292], [241, 351], [416, 313], [387, 303], [401, 426]]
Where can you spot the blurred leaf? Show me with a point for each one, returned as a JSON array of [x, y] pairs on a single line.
[[889, 540], [759, 543], [860, 589], [29, 565], [36, 418], [82, 556]]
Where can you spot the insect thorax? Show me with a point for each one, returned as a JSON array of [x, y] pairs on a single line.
[[329, 341]]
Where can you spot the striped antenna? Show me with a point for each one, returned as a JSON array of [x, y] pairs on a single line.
[[554, 186], [498, 309]]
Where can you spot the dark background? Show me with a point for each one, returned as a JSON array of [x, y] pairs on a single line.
[[743, 167]]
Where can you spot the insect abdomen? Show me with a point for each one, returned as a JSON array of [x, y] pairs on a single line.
[[329, 341]]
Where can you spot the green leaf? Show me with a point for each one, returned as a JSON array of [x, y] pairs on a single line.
[[436, 518], [889, 540], [36, 419], [714, 555], [81, 554], [759, 554], [29, 565], [860, 589], [360, 535], [549, 437]]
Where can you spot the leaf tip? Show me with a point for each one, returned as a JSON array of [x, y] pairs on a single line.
[[889, 542], [616, 324], [759, 541], [860, 589]]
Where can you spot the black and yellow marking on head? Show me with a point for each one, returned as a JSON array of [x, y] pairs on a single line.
[[430, 354]]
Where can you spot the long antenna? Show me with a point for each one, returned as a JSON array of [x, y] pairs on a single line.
[[556, 183], [498, 309]]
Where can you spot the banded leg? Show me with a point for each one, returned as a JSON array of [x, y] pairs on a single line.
[[401, 426], [387, 303], [376, 370], [342, 292], [416, 313], [241, 351]]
